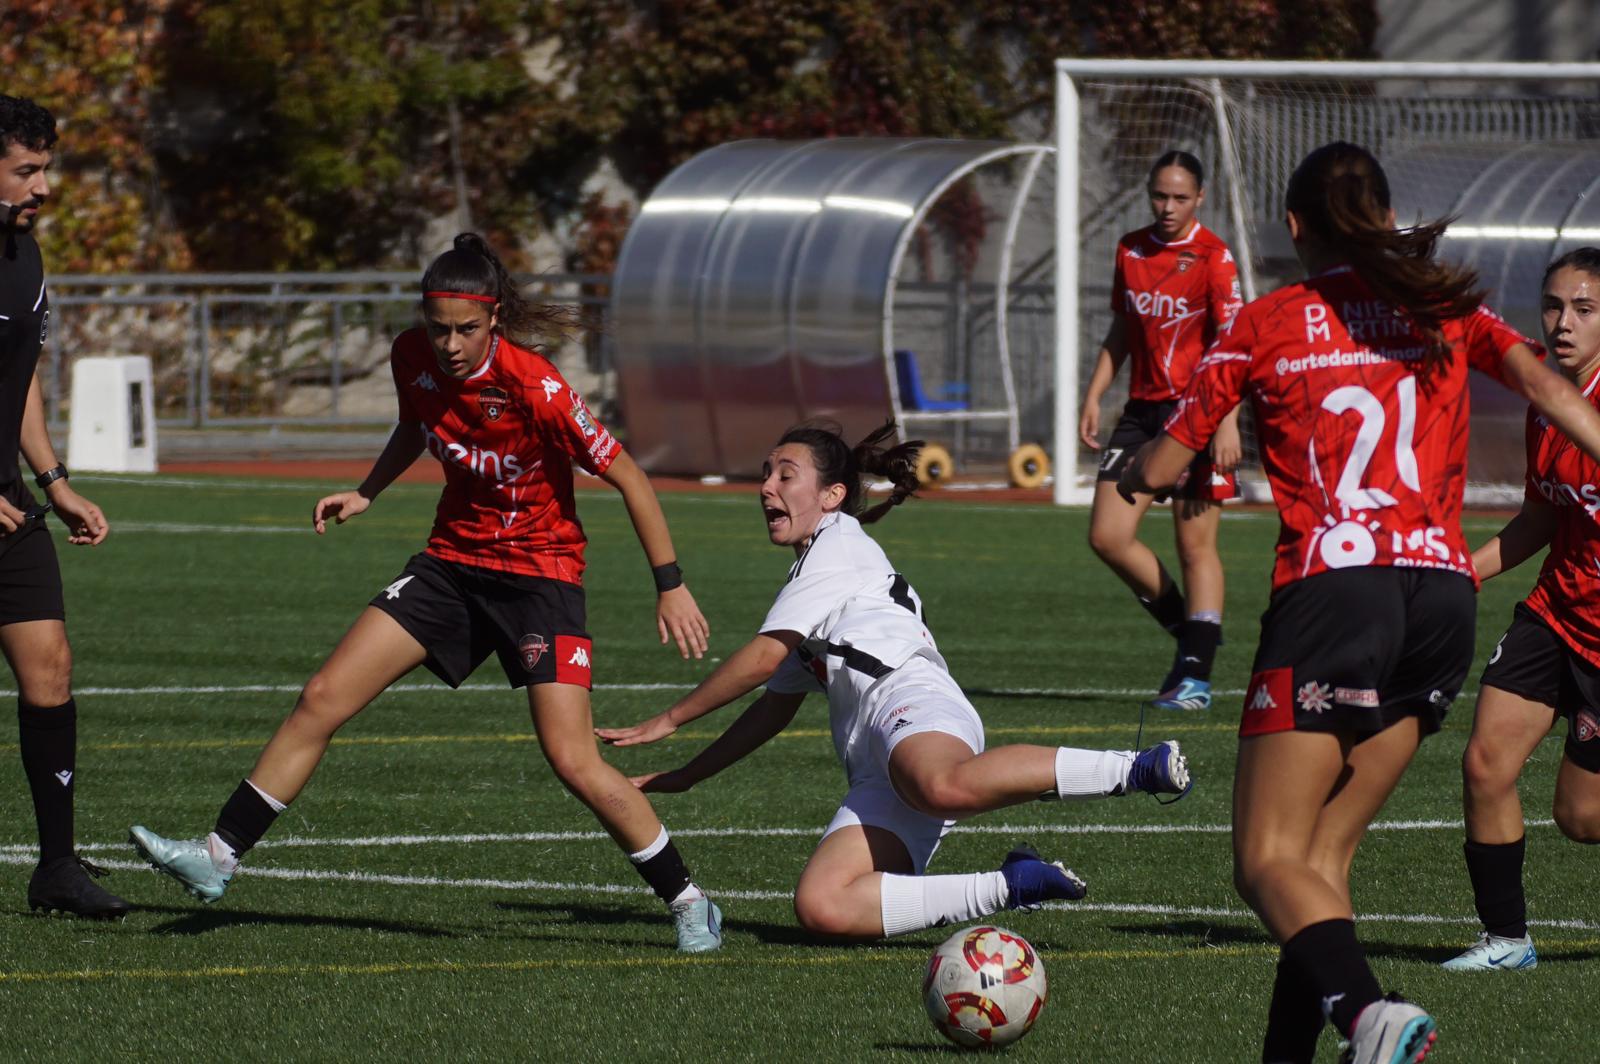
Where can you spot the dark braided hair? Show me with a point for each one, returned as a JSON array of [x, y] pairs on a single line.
[[472, 267], [839, 463], [1181, 159], [1341, 195]]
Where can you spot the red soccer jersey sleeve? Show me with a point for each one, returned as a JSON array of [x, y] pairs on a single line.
[[1567, 594], [1367, 466]]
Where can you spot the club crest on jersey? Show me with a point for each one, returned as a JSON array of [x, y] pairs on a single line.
[[1586, 726], [580, 414], [532, 647], [492, 401], [1186, 259]]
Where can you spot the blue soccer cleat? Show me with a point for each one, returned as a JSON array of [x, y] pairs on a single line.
[[1162, 769], [1188, 694], [1495, 953], [187, 861], [699, 925], [1031, 880], [1391, 1030]]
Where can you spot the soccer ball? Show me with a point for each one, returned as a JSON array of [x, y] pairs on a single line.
[[984, 987]]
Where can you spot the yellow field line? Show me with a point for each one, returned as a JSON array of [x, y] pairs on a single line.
[[525, 737]]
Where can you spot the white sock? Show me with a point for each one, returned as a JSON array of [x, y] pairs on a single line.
[[651, 850], [222, 855], [277, 806], [1091, 773], [689, 894], [911, 903]]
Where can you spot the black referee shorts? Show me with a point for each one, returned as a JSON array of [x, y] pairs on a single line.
[[1355, 650], [1532, 661], [461, 614], [30, 576]]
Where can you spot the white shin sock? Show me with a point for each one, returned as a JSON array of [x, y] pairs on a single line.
[[911, 903], [1091, 773]]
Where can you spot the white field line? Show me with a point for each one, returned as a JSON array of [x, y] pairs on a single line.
[[568, 887], [172, 528], [262, 688]]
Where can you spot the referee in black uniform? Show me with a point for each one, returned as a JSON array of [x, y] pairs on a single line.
[[33, 631]]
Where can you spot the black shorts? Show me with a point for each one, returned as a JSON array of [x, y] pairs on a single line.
[[461, 613], [1141, 422], [30, 576], [1355, 650], [1532, 661]]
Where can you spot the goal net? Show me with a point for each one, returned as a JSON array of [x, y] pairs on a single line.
[[1506, 149]]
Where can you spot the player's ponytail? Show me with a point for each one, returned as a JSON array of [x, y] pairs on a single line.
[[839, 463], [1341, 197], [472, 268]]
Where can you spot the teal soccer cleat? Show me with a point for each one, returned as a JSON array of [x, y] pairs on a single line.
[[699, 925], [1190, 695], [1391, 1030], [186, 861], [1495, 953]]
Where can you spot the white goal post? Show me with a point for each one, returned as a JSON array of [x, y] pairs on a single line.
[[1510, 150]]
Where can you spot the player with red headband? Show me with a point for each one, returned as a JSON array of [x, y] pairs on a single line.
[[1358, 381], [502, 574], [1174, 288]]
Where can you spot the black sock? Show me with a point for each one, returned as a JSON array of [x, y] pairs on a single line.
[[245, 817], [1496, 873], [1167, 608], [1294, 1018], [49, 744], [665, 872], [1197, 648], [1333, 962]]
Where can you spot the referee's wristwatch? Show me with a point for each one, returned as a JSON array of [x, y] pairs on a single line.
[[50, 476]]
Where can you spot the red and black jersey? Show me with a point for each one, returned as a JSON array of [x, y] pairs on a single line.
[[1567, 595], [1173, 299], [1367, 462], [507, 437]]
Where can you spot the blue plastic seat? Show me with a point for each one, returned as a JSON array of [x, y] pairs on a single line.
[[912, 397]]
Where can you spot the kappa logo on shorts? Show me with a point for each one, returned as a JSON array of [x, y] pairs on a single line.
[[1586, 726], [572, 653], [492, 401], [532, 647], [1268, 703]]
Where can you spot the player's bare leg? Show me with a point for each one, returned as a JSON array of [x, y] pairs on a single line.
[[1577, 804], [1187, 685], [939, 775], [374, 653], [840, 892], [564, 722], [1506, 729], [1114, 537], [1302, 801]]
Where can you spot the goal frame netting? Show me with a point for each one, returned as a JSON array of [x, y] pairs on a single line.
[[1210, 76]]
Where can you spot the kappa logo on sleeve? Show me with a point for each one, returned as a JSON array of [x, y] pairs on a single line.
[[572, 660], [551, 388]]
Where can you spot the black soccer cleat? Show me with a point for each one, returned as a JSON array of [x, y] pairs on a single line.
[[64, 885]]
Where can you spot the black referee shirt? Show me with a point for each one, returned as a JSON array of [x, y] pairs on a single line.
[[24, 319]]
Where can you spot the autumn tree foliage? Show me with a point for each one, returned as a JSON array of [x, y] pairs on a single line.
[[298, 134]]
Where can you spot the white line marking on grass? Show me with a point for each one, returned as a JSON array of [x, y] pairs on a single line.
[[385, 841], [164, 527], [638, 890], [257, 688]]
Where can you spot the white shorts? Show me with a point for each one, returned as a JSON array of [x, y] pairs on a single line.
[[923, 698]]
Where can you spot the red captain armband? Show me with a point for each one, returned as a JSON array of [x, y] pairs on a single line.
[[460, 295]]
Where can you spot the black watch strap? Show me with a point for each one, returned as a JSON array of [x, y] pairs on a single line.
[[50, 476]]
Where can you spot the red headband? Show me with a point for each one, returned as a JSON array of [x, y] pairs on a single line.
[[459, 295]]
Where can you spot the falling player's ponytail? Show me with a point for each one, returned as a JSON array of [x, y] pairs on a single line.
[[471, 268], [839, 463], [1341, 197]]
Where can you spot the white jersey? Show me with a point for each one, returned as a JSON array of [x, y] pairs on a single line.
[[859, 621]]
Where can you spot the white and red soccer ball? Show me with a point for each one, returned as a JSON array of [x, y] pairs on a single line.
[[984, 987]]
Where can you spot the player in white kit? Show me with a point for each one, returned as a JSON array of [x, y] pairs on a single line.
[[846, 624]]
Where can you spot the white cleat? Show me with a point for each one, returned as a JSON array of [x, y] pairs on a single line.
[[1495, 953]]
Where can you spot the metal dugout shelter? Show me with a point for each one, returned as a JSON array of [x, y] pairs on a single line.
[[756, 288]]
